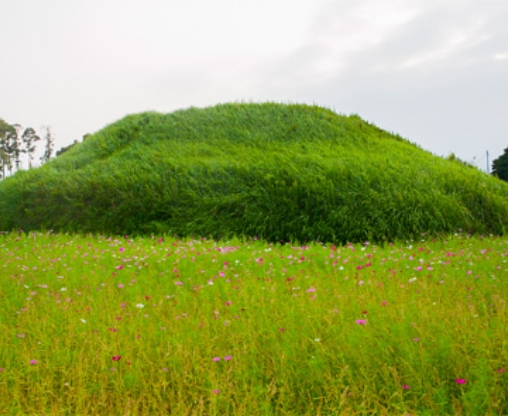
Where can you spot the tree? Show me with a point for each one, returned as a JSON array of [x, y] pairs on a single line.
[[5, 129], [15, 145], [29, 138], [500, 166], [9, 149], [49, 144]]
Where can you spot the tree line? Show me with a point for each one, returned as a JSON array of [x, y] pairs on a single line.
[[16, 141]]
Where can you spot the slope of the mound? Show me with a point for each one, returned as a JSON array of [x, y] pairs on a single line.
[[280, 172]]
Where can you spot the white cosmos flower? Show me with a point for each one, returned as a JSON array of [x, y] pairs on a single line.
[[140, 305]]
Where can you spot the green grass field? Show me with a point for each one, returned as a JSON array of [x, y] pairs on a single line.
[[96, 325], [223, 316], [273, 171]]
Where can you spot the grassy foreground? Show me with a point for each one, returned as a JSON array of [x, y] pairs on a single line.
[[279, 172], [95, 325]]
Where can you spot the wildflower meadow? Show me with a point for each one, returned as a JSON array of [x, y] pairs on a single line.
[[158, 325]]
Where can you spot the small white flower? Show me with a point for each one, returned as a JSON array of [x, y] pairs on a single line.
[[140, 305], [82, 320], [63, 289], [27, 287], [412, 280], [317, 339], [210, 283]]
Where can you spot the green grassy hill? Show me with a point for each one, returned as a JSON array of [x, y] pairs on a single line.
[[280, 172]]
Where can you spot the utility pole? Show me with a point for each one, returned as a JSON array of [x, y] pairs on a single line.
[[488, 166]]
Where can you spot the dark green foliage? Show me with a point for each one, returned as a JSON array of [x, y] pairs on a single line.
[[280, 172], [500, 166]]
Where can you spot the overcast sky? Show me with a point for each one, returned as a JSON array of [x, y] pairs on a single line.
[[433, 71]]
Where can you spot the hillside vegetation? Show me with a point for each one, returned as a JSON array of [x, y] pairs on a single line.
[[278, 172]]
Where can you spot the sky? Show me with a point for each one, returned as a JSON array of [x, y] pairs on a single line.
[[433, 71]]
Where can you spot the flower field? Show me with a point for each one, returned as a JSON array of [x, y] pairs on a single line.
[[97, 325]]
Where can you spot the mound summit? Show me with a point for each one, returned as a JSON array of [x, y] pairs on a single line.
[[278, 172]]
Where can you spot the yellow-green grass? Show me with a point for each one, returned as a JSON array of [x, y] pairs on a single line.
[[278, 172], [96, 325]]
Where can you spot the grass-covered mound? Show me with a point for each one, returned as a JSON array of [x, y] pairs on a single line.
[[280, 172]]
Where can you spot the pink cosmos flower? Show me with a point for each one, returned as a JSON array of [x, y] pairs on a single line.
[[216, 359], [311, 290], [121, 249], [406, 387], [33, 362], [119, 267], [460, 381], [216, 391], [116, 357], [361, 321], [227, 358], [179, 283]]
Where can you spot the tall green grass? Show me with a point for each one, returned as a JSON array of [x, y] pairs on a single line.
[[279, 172], [95, 325]]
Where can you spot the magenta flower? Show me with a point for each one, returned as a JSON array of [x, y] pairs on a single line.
[[121, 249], [500, 370], [227, 358], [179, 283], [406, 387], [216, 391], [216, 359], [119, 267], [460, 381], [116, 357], [33, 362], [361, 321]]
